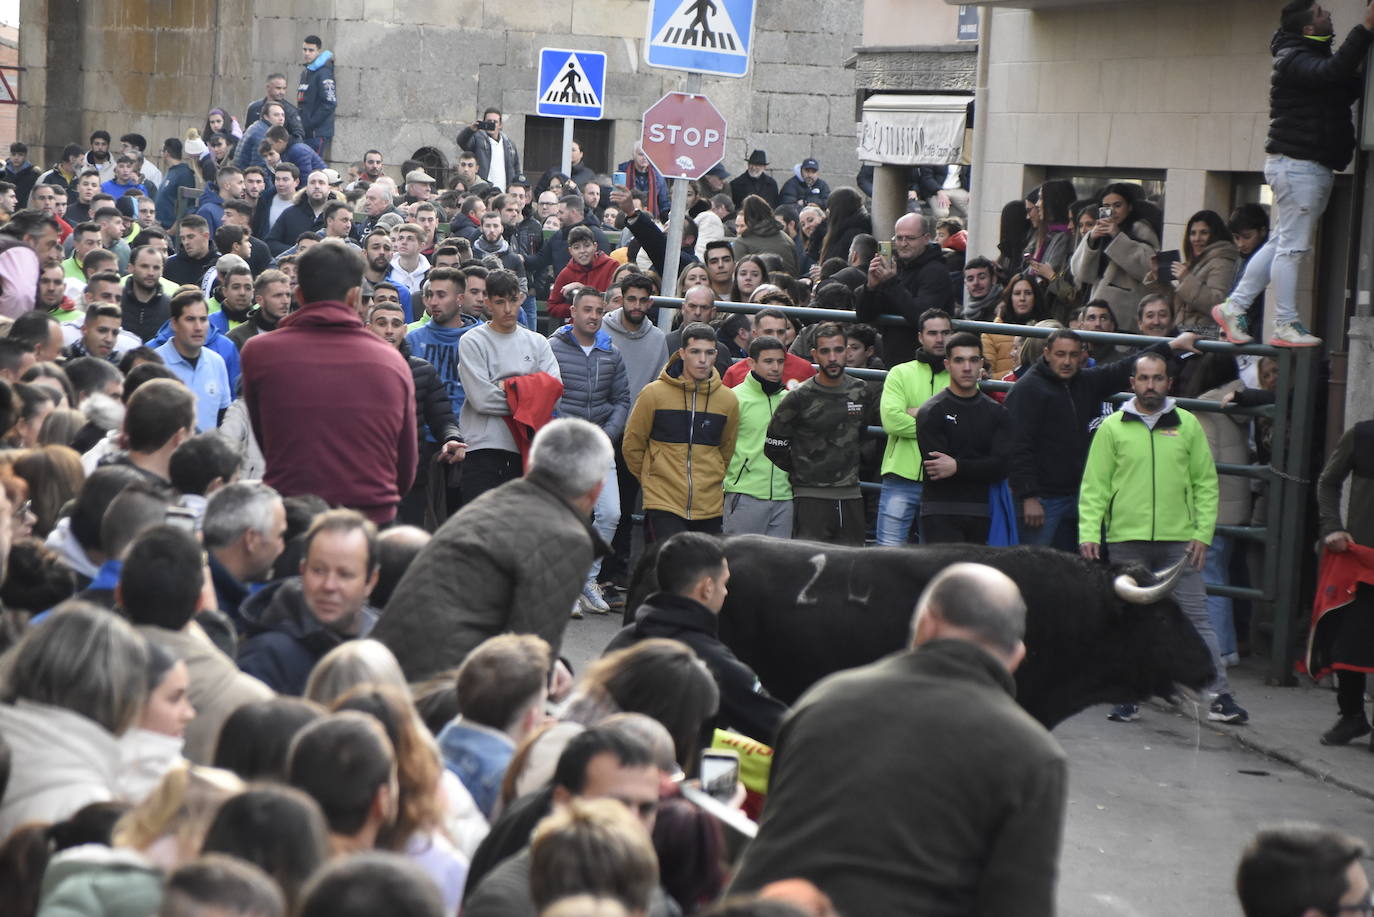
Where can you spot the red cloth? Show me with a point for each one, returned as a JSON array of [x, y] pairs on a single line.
[[531, 400], [596, 275], [333, 407], [795, 370], [957, 242], [1337, 579]]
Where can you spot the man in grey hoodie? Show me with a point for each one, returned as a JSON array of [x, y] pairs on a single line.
[[643, 345]]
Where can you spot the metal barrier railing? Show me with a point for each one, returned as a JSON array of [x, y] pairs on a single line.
[[1287, 478]]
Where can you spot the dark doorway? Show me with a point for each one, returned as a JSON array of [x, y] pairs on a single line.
[[544, 137], [435, 163]]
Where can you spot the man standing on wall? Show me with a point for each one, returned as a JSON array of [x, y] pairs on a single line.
[[1311, 137], [317, 96]]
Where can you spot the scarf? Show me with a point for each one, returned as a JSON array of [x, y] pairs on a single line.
[[632, 177]]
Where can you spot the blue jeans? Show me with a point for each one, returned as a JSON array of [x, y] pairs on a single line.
[[1058, 511], [899, 506], [1301, 191], [605, 516], [1216, 572]]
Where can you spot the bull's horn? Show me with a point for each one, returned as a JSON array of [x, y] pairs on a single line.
[[1131, 591]]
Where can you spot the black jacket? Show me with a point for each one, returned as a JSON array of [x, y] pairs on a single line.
[[181, 268], [256, 324], [294, 220], [743, 185], [282, 638], [479, 143], [1310, 94], [1053, 421], [744, 705], [843, 237], [922, 283], [973, 431], [293, 118], [144, 319], [433, 410]]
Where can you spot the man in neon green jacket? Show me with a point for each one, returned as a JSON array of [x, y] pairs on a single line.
[[908, 386], [758, 494], [1151, 479]]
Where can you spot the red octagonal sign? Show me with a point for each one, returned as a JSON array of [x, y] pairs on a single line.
[[684, 135]]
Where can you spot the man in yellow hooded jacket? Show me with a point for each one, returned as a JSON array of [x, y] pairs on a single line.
[[680, 438]]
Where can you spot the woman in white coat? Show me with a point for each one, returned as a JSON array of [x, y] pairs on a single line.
[[78, 682]]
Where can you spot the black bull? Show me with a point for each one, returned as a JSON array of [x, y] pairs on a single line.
[[797, 611]]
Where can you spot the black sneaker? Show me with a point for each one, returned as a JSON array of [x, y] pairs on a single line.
[[1225, 710], [1124, 713], [1347, 729]]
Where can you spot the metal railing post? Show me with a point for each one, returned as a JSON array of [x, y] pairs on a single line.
[[1297, 394]]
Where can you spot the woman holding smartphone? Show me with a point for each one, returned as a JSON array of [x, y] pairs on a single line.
[[1205, 275], [1116, 256], [1052, 243]]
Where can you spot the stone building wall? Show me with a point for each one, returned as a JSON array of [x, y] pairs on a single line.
[[412, 72]]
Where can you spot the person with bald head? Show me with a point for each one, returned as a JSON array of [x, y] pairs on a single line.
[[699, 305], [911, 280], [956, 803]]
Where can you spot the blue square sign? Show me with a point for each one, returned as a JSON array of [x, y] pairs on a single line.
[[572, 84], [703, 36]]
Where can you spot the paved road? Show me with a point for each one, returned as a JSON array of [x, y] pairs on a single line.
[[1158, 809]]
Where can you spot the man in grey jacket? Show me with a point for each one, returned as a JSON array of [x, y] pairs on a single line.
[[597, 389], [512, 560]]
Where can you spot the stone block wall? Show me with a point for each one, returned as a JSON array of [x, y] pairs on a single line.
[[411, 73]]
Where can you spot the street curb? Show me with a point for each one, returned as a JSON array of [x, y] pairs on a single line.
[[1244, 736]]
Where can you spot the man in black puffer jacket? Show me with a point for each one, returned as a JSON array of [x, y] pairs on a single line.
[[1311, 135], [433, 411]]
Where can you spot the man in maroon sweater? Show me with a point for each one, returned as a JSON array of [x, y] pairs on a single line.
[[332, 405]]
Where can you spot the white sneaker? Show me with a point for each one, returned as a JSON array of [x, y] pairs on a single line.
[[1233, 324], [592, 600], [577, 610], [1293, 334]]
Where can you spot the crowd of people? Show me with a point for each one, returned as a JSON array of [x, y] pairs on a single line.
[[306, 475]]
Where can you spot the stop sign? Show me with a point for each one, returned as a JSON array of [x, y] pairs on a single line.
[[684, 135]]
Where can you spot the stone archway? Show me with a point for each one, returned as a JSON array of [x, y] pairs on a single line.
[[435, 163]]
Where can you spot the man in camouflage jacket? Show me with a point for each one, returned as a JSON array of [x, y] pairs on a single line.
[[815, 436]]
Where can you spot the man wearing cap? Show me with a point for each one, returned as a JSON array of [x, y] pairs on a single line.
[[498, 161], [755, 180], [419, 186], [805, 186]]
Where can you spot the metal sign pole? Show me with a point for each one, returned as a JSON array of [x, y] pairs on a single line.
[[567, 149], [672, 256]]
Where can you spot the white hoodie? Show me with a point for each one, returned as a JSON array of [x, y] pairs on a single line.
[[62, 761]]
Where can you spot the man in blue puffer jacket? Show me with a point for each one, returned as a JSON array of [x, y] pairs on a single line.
[[596, 388]]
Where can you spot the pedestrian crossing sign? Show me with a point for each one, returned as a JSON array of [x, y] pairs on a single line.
[[703, 36], [572, 84]]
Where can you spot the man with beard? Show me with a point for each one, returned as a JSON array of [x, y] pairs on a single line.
[[491, 244], [437, 342], [981, 290], [306, 215], [272, 294], [377, 253], [815, 437], [144, 304], [198, 253]]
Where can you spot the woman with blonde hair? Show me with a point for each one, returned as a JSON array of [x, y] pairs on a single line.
[[149, 841], [350, 665]]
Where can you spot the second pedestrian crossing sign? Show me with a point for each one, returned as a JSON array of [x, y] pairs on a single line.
[[572, 84], [704, 36]]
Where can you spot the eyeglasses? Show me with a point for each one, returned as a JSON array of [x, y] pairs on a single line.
[[24, 511]]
